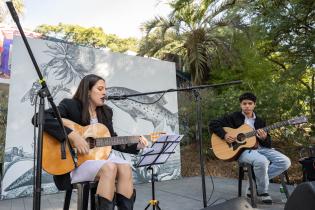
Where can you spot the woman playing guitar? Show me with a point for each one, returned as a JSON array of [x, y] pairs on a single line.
[[114, 174]]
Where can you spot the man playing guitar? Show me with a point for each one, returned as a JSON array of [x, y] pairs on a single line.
[[267, 162]]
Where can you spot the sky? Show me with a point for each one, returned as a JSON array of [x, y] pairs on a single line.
[[120, 17]]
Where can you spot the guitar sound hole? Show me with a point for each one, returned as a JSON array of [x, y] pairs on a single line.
[[241, 137], [91, 141]]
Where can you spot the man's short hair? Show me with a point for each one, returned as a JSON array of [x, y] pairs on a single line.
[[247, 96]]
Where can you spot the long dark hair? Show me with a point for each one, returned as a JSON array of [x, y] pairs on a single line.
[[82, 95]]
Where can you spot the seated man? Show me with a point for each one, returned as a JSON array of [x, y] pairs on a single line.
[[259, 158]]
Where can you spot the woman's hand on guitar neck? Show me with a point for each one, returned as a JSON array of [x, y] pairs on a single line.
[[143, 142], [229, 138], [79, 143]]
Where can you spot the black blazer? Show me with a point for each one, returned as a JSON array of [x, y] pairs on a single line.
[[235, 120], [72, 109]]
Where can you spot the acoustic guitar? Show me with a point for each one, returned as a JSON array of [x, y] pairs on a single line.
[[245, 138], [99, 140]]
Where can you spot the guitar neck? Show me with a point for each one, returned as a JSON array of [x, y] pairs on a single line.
[[268, 128], [117, 140]]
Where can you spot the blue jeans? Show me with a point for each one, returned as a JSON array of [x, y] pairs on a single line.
[[260, 159]]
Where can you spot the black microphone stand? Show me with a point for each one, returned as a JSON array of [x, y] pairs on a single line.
[[44, 92], [196, 94]]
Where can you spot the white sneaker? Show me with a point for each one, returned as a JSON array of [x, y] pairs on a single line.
[[264, 198]]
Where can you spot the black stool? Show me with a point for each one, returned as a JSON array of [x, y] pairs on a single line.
[[85, 189], [246, 167]]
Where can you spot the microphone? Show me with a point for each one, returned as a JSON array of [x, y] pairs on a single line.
[[108, 98]]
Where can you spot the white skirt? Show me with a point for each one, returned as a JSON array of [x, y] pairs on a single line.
[[88, 170]]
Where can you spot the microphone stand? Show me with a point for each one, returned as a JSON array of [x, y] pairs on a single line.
[[196, 94], [44, 92]]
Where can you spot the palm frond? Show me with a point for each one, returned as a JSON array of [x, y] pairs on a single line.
[[193, 31], [216, 8], [177, 5], [150, 25]]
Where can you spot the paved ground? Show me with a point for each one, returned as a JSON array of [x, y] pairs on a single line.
[[182, 194]]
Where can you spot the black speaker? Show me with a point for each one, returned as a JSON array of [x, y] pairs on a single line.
[[233, 204], [302, 198]]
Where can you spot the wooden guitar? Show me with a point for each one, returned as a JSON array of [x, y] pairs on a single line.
[[100, 142], [245, 139]]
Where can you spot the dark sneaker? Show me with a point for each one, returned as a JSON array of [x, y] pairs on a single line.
[[264, 198]]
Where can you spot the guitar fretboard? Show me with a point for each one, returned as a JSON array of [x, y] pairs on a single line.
[[117, 140], [268, 128]]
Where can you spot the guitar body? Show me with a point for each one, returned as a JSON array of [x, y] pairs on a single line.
[[229, 152], [51, 157]]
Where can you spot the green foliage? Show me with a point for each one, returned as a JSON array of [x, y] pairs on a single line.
[[278, 98], [92, 37], [194, 32], [274, 57], [290, 27], [4, 90]]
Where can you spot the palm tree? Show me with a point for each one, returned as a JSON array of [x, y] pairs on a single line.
[[194, 31]]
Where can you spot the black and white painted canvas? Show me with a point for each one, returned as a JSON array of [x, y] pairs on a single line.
[[63, 65]]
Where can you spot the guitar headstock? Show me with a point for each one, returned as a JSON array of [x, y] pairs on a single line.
[[298, 120], [155, 135]]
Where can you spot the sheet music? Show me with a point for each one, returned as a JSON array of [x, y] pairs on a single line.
[[160, 150]]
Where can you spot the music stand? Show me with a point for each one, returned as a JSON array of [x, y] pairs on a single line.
[[159, 153]]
